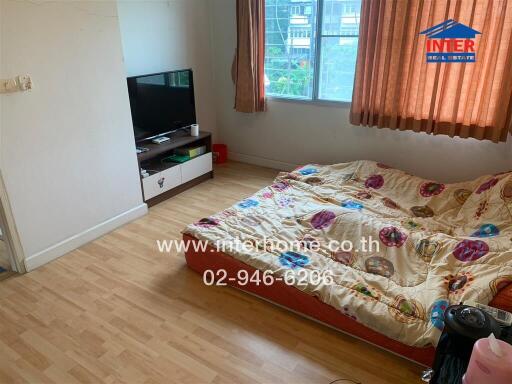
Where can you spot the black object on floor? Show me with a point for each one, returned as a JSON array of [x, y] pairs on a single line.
[[464, 325]]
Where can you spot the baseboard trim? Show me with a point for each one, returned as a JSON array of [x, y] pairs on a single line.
[[256, 160], [55, 251]]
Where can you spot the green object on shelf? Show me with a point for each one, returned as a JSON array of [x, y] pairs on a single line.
[[176, 159]]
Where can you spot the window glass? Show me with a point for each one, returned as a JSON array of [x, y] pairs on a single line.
[[340, 32], [290, 47], [291, 51]]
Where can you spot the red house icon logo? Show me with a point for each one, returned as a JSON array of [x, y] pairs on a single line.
[[450, 42]]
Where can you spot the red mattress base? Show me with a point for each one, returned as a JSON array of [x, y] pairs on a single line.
[[296, 300]]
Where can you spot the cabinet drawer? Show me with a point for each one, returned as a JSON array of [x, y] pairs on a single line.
[[196, 167], [150, 186], [161, 182], [172, 178]]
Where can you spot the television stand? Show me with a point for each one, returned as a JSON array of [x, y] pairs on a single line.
[[167, 179]]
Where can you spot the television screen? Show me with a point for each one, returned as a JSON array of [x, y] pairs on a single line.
[[161, 103]]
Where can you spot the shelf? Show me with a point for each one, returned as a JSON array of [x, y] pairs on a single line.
[[178, 139], [158, 166]]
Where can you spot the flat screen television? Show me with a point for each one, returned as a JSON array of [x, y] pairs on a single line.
[[161, 103]]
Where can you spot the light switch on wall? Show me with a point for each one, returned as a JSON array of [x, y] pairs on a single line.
[[16, 84]]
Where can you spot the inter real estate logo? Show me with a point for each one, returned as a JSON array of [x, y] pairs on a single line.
[[450, 42]]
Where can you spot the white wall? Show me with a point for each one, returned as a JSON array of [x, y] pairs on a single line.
[[160, 36], [301, 133], [67, 150]]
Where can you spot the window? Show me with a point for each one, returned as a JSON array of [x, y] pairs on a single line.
[[312, 55], [349, 8], [295, 10], [180, 79], [299, 33]]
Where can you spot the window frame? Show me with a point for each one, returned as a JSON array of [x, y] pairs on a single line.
[[315, 100]]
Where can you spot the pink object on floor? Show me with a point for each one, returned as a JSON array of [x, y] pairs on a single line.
[[486, 366]]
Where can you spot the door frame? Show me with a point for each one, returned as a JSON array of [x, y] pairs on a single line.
[[9, 232]]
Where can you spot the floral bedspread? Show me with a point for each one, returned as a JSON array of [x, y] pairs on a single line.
[[433, 244]]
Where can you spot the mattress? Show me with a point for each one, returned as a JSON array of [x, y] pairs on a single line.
[[296, 300], [435, 244]]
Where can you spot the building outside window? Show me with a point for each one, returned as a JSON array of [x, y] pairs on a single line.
[[295, 10], [311, 48]]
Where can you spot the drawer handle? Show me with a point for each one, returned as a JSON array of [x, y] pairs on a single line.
[[161, 182]]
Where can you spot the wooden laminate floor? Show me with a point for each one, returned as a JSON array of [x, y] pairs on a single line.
[[117, 311]]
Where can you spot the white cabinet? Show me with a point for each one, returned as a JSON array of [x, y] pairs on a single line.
[[173, 177], [150, 186], [196, 167]]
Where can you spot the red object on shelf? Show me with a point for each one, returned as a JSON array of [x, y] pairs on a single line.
[[220, 153]]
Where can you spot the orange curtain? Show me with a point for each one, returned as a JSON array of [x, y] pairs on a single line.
[[250, 58], [396, 88]]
